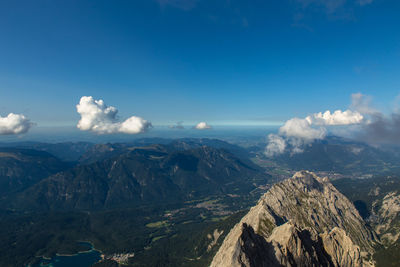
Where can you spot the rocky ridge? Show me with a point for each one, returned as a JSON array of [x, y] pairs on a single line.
[[302, 221], [386, 219], [143, 176]]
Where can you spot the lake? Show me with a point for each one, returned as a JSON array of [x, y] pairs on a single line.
[[82, 259]]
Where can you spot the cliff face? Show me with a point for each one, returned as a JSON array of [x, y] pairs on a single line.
[[302, 221], [386, 218]]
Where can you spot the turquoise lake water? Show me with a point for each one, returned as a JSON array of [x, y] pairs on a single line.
[[82, 259]]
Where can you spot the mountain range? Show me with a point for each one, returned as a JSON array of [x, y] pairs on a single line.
[[177, 199], [145, 175], [335, 154], [21, 168]]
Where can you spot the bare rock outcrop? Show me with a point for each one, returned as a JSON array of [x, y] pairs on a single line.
[[302, 221], [386, 218]]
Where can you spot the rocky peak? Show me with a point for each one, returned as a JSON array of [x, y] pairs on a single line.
[[307, 181], [302, 221]]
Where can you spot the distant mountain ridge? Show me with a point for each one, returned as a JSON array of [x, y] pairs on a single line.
[[104, 151], [145, 175], [21, 168], [65, 151], [339, 155]]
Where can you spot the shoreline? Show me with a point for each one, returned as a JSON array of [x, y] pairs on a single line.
[[83, 251], [102, 256], [92, 249]]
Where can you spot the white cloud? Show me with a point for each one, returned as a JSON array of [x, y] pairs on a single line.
[[14, 124], [276, 145], [297, 132], [202, 126], [336, 118], [134, 125], [96, 116], [376, 127], [301, 128]]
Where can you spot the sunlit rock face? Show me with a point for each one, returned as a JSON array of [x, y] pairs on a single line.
[[302, 221], [386, 217]]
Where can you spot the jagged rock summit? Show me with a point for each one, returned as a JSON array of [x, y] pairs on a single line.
[[302, 221]]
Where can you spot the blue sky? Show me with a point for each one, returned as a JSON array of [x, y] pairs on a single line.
[[222, 61]]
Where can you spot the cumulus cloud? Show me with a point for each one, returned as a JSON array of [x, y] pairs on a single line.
[[336, 118], [295, 133], [276, 145], [298, 132], [14, 124], [202, 126], [362, 121], [96, 116], [301, 128]]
